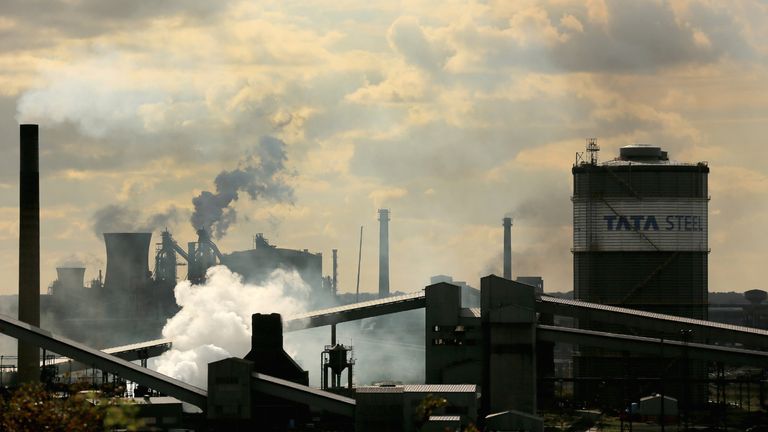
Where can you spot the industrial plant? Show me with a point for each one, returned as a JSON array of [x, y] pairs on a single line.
[[636, 343], [131, 301]]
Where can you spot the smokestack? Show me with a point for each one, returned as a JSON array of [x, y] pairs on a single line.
[[127, 266], [266, 333], [507, 222], [29, 248], [335, 280], [383, 253], [71, 278]]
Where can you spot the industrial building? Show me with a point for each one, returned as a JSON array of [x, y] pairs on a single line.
[[640, 232], [639, 241], [133, 303], [489, 365]]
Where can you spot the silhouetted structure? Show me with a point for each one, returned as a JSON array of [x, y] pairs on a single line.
[[383, 253], [29, 248]]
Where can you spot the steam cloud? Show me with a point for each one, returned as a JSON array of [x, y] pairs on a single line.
[[121, 218], [260, 175], [215, 319]]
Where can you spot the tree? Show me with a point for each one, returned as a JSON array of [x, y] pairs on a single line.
[[31, 408]]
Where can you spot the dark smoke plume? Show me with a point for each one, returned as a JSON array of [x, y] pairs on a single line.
[[121, 218], [259, 175]]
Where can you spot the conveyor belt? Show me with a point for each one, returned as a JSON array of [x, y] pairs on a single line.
[[355, 311], [652, 346], [702, 330], [132, 352], [101, 360]]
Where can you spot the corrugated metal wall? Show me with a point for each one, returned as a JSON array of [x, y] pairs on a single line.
[[622, 258], [640, 236]]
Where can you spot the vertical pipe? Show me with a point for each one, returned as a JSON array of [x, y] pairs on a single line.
[[383, 253], [507, 222], [335, 280], [359, 259], [29, 249]]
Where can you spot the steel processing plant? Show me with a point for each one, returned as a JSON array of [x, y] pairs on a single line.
[[638, 343]]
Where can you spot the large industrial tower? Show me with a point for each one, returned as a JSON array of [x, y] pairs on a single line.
[[640, 232], [639, 241]]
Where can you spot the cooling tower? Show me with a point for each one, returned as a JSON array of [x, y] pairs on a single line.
[[127, 263], [71, 278]]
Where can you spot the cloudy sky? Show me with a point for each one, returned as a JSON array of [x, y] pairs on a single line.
[[450, 113]]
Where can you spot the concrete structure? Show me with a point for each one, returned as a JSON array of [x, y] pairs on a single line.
[[29, 248], [383, 253], [494, 346], [535, 281], [127, 272], [470, 296], [507, 223]]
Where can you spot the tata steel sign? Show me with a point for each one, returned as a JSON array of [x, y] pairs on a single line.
[[640, 225]]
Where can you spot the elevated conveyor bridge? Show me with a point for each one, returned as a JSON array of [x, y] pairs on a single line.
[[100, 360]]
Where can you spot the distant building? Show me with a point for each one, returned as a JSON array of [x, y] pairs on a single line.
[[534, 281], [470, 296]]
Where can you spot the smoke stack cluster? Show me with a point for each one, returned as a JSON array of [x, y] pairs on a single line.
[[383, 253], [507, 222], [29, 248]]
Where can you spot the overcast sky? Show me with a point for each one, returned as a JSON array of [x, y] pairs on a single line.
[[450, 113]]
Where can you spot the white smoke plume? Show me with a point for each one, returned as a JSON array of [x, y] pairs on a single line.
[[215, 319]]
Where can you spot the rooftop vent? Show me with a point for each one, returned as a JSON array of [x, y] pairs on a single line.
[[642, 152]]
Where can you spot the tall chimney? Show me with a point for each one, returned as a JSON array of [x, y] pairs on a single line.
[[335, 279], [29, 249], [383, 253], [266, 333], [507, 222]]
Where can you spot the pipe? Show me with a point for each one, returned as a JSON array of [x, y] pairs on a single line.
[[507, 222], [29, 248], [383, 253], [335, 279]]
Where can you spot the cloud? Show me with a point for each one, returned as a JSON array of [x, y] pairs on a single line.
[[407, 38], [484, 103]]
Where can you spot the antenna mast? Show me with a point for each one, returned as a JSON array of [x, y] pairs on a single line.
[[592, 149]]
